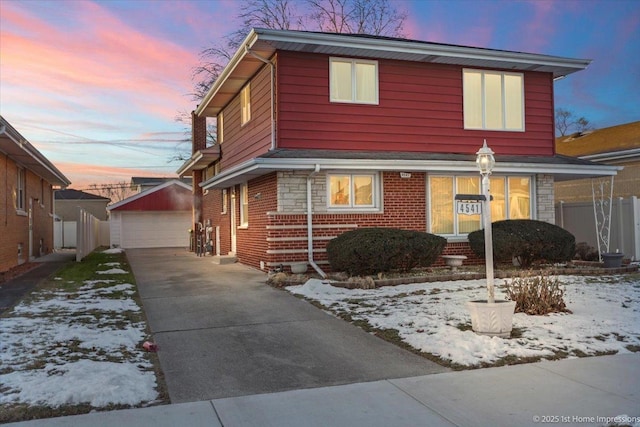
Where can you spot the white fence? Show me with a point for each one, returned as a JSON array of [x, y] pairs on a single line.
[[579, 219], [84, 235]]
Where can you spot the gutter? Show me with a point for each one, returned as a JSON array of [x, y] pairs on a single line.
[[310, 224], [272, 67]]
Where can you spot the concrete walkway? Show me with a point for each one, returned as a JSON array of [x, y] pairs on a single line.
[[578, 392], [222, 332], [14, 289]]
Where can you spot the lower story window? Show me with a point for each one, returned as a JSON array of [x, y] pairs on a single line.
[[244, 205], [352, 191], [511, 200]]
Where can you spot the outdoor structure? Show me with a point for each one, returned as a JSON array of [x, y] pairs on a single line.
[[318, 134], [612, 202], [68, 201], [27, 181], [158, 217]]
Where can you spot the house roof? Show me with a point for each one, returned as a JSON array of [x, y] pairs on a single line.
[[71, 194], [561, 167], [14, 145], [147, 181], [172, 195], [200, 160], [612, 143], [260, 44]]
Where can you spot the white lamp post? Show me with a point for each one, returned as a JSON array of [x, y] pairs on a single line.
[[485, 162]]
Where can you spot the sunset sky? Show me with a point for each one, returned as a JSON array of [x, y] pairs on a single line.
[[96, 85]]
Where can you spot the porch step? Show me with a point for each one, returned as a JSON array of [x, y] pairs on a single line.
[[224, 259]]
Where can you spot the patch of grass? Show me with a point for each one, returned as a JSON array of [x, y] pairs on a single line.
[[633, 348], [66, 283]]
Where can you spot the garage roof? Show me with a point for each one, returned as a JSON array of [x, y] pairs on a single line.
[[170, 196]]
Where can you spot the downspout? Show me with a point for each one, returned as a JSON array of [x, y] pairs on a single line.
[[273, 122], [310, 223]]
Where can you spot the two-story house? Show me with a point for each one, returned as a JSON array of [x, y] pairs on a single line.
[[27, 181], [322, 133]]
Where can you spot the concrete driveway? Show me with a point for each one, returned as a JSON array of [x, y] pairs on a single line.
[[222, 332]]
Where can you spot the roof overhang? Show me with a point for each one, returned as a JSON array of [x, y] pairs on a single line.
[[199, 160], [18, 149], [265, 42], [621, 155], [560, 167]]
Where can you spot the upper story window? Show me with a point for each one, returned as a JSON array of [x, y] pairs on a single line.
[[220, 127], [493, 100], [21, 185], [353, 80], [511, 200], [245, 104], [353, 191]]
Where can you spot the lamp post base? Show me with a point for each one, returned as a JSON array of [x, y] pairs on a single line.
[[492, 319]]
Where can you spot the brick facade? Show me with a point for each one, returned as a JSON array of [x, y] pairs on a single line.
[[14, 224]]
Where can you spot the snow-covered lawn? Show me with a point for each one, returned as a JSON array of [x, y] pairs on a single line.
[[432, 318], [71, 345]]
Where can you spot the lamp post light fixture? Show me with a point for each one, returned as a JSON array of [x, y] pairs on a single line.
[[486, 162]]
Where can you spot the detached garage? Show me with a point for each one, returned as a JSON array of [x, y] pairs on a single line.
[[158, 217]]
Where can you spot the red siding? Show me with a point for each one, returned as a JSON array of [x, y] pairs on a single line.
[[244, 142], [171, 198], [420, 110]]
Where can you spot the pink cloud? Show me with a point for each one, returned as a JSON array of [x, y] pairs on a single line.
[[83, 175], [99, 59]]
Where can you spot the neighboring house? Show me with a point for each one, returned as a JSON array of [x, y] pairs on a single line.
[[616, 145], [614, 201], [323, 133], [141, 183], [68, 201], [158, 217], [27, 181]]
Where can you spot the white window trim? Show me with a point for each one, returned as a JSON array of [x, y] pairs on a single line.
[[353, 81], [376, 192], [225, 201], [244, 194], [221, 127], [463, 236], [21, 188], [504, 107], [245, 104]]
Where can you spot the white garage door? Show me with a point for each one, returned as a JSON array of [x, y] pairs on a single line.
[[155, 229]]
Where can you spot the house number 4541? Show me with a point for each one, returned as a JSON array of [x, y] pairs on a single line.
[[469, 208]]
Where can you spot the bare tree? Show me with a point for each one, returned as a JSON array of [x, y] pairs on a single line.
[[567, 122], [374, 17], [115, 191]]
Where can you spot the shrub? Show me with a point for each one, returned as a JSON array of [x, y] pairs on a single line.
[[368, 251], [586, 252], [527, 240], [537, 294]]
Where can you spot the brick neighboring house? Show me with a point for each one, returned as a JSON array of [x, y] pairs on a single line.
[[370, 131], [27, 181]]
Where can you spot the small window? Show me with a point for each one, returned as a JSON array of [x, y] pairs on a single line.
[[244, 205], [352, 191], [245, 104], [353, 80], [21, 185], [493, 100], [220, 127], [225, 201]]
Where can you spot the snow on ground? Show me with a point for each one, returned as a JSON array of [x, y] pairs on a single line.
[[432, 317], [66, 348]]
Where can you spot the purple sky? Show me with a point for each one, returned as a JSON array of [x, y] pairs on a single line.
[[96, 85]]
